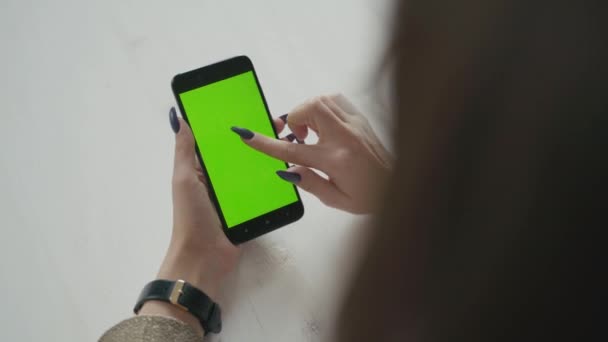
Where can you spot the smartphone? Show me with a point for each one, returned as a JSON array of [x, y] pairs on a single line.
[[250, 198]]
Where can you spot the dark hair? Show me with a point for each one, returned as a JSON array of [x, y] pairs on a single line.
[[492, 224]]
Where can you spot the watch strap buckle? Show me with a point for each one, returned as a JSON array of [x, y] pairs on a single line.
[[176, 293]]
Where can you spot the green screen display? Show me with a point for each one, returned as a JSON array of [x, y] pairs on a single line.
[[244, 180]]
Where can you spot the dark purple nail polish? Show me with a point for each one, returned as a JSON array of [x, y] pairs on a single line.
[[283, 118], [291, 137], [290, 177], [242, 132], [173, 120]]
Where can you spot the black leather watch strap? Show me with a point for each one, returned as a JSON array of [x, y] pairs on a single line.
[[185, 296]]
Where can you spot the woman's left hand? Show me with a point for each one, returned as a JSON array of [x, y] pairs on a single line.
[[199, 251]]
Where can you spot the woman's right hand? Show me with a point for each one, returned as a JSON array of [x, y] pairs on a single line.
[[348, 152]]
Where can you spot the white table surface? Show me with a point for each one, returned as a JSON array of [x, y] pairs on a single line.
[[86, 156]]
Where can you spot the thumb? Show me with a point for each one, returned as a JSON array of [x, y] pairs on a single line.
[[184, 143], [312, 182]]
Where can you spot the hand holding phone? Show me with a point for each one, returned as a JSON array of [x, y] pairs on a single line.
[[249, 197], [199, 251]]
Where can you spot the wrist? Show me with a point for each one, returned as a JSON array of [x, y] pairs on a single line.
[[203, 265], [192, 268]]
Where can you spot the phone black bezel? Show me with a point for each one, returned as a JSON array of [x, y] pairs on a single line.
[[214, 73]]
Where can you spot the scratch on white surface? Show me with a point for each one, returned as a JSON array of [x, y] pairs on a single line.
[[255, 313], [268, 255], [136, 42], [312, 330], [276, 296]]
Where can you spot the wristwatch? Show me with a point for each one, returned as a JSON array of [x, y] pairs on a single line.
[[186, 297]]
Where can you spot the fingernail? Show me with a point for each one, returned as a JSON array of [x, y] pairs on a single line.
[[242, 132], [291, 137], [173, 120], [290, 177], [283, 118]]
